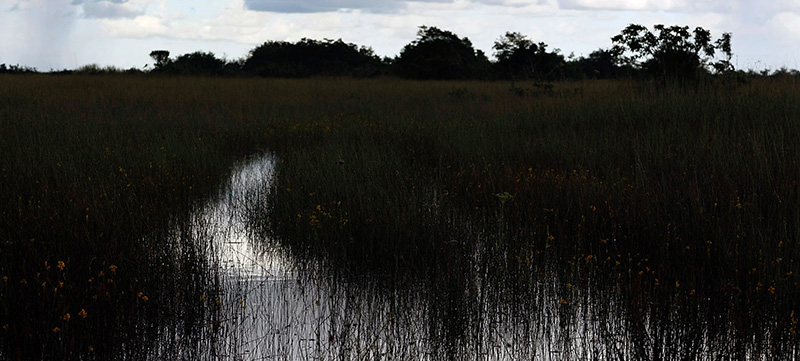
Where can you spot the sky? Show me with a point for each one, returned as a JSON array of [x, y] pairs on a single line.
[[67, 34]]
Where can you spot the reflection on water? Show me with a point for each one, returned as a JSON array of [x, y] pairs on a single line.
[[274, 308], [224, 222], [271, 310]]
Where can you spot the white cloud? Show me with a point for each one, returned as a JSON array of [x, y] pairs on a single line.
[[640, 5], [653, 5], [109, 9], [788, 4], [786, 25], [138, 27], [319, 6], [514, 3], [372, 6], [36, 31]]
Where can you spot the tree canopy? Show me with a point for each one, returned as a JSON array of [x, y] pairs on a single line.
[[520, 58], [668, 53], [673, 53], [603, 64], [440, 54], [161, 58], [198, 63], [309, 57]]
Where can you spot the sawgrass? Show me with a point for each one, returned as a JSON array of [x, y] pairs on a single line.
[[674, 212]]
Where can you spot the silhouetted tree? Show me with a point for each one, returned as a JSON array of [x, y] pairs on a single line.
[[784, 72], [603, 64], [197, 63], [270, 59], [673, 53], [94, 69], [440, 54], [310, 57], [16, 69], [161, 58], [520, 58]]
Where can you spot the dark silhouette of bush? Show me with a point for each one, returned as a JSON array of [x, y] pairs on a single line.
[[784, 72], [309, 57], [673, 54], [94, 69], [519, 58], [670, 54], [603, 64], [16, 69], [197, 63], [161, 59], [440, 54]]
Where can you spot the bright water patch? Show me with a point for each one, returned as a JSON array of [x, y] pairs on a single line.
[[270, 310], [224, 222], [273, 308]]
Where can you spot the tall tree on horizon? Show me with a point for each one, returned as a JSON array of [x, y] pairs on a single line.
[[673, 53], [440, 54], [520, 58], [161, 58], [309, 57]]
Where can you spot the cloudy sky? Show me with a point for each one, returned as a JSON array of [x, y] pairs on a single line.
[[65, 34]]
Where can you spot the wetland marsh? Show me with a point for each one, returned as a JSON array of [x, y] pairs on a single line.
[[211, 218]]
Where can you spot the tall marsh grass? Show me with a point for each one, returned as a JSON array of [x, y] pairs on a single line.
[[677, 206], [98, 177], [665, 219]]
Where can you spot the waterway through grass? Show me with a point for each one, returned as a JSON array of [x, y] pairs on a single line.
[[397, 220], [282, 304], [274, 307]]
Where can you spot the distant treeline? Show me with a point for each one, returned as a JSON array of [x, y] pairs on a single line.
[[668, 53], [16, 69]]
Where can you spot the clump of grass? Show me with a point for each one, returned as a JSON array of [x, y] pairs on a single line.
[[96, 174], [680, 200], [673, 212]]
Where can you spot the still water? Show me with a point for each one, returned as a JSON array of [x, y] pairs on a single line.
[[277, 308]]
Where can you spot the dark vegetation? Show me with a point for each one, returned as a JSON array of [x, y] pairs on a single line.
[[668, 217], [16, 69], [439, 54], [520, 58], [673, 54], [96, 174], [663, 211], [668, 53], [312, 58]]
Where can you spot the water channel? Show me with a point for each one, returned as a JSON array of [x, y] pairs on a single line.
[[277, 309]]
